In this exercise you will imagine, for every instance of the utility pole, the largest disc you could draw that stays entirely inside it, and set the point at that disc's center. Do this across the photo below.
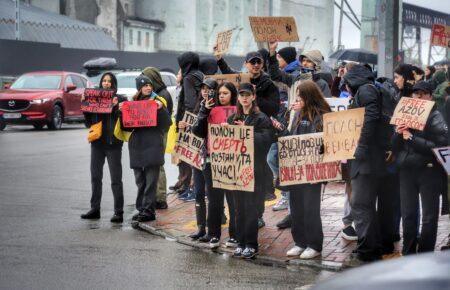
(388, 22)
(341, 14)
(17, 19)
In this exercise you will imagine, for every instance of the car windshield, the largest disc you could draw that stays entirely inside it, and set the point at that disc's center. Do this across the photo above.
(48, 82)
(126, 81)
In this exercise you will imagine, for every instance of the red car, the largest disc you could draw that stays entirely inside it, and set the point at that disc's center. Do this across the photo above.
(43, 98)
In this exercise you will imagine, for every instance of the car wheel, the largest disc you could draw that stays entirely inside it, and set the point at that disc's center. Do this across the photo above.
(2, 125)
(38, 126)
(56, 118)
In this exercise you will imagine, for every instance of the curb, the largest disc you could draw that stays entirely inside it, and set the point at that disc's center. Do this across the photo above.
(180, 237)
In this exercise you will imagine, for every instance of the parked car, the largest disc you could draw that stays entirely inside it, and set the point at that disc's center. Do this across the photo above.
(127, 85)
(43, 98)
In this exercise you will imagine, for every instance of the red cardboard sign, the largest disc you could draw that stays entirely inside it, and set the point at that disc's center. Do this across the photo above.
(220, 115)
(97, 101)
(139, 114)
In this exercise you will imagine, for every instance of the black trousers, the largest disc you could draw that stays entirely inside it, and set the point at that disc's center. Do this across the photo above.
(215, 206)
(247, 218)
(306, 229)
(114, 157)
(147, 183)
(185, 175)
(426, 183)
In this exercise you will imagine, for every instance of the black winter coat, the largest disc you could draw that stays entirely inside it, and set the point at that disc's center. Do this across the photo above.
(107, 140)
(417, 152)
(163, 92)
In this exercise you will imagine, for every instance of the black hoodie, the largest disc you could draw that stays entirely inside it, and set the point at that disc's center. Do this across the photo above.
(191, 83)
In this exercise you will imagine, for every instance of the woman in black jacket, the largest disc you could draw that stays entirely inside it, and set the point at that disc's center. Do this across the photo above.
(146, 148)
(246, 203)
(109, 147)
(304, 200)
(420, 174)
(226, 96)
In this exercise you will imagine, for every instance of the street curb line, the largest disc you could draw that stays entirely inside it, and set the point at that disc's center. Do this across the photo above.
(264, 260)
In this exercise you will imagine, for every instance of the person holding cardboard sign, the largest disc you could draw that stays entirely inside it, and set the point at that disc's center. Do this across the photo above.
(420, 175)
(106, 147)
(146, 149)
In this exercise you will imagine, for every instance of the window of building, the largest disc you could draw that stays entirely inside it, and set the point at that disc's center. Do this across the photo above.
(139, 39)
(147, 39)
(130, 36)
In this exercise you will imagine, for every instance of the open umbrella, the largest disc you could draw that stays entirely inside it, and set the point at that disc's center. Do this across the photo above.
(355, 54)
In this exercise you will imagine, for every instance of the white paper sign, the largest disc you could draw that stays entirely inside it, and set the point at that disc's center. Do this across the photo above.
(443, 156)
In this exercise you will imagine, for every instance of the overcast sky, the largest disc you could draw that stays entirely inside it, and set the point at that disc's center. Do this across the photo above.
(351, 34)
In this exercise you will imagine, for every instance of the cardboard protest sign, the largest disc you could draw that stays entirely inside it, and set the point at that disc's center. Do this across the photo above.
(232, 157)
(440, 35)
(139, 114)
(300, 161)
(412, 112)
(274, 29)
(188, 147)
(338, 104)
(223, 41)
(219, 115)
(236, 79)
(443, 156)
(341, 131)
(97, 101)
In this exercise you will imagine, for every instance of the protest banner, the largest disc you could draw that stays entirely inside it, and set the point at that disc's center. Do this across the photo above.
(338, 104)
(188, 147)
(440, 35)
(300, 160)
(232, 157)
(236, 79)
(341, 131)
(223, 41)
(219, 115)
(443, 156)
(139, 114)
(412, 112)
(270, 28)
(97, 101)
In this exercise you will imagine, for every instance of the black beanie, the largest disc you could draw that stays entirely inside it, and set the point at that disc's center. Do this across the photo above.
(289, 54)
(141, 81)
(406, 71)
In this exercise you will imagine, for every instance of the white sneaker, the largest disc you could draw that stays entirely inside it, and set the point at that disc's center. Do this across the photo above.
(309, 254)
(282, 204)
(295, 251)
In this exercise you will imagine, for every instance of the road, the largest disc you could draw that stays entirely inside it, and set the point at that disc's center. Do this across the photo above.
(45, 186)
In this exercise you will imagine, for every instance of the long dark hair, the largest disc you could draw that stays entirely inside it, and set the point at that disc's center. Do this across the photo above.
(113, 81)
(240, 110)
(315, 103)
(230, 86)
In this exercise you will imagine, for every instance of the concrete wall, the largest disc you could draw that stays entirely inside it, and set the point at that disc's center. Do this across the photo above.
(107, 17)
(49, 5)
(135, 44)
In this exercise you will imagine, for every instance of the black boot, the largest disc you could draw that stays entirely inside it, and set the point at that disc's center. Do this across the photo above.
(117, 218)
(200, 213)
(93, 214)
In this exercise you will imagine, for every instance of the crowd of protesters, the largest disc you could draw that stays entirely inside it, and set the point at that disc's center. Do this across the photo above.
(393, 179)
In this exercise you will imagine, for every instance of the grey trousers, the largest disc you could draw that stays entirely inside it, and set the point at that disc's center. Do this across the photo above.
(147, 182)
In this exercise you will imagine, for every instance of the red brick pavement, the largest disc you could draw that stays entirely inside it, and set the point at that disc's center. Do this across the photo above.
(180, 219)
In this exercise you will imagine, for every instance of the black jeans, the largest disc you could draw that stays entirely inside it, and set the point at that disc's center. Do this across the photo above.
(426, 183)
(199, 182)
(306, 229)
(114, 157)
(215, 207)
(147, 183)
(247, 218)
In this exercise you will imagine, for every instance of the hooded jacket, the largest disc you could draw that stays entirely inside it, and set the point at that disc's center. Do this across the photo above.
(209, 66)
(439, 80)
(267, 94)
(159, 86)
(369, 154)
(191, 83)
(107, 140)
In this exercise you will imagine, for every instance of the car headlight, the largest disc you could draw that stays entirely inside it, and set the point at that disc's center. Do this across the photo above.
(39, 101)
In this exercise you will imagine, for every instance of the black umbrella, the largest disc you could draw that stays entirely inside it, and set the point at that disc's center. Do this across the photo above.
(355, 54)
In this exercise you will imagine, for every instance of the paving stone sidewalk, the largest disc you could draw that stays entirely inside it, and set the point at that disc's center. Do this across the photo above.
(178, 221)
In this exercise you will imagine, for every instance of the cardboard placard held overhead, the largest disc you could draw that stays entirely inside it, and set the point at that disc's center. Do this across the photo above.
(443, 156)
(188, 147)
(236, 79)
(223, 41)
(338, 104)
(97, 101)
(139, 114)
(440, 35)
(412, 112)
(271, 28)
(232, 157)
(341, 131)
(300, 160)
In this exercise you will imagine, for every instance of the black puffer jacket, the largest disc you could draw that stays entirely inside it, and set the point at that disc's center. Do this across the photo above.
(163, 92)
(369, 154)
(267, 93)
(417, 152)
